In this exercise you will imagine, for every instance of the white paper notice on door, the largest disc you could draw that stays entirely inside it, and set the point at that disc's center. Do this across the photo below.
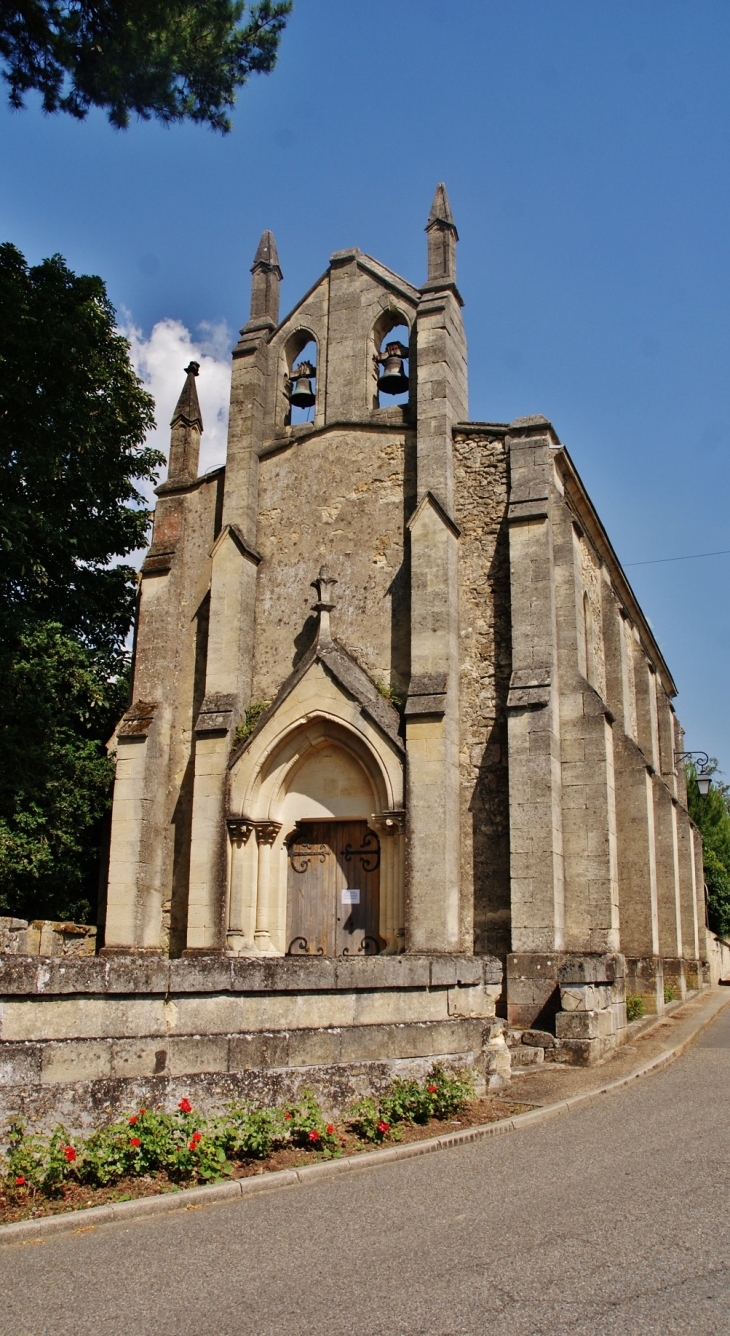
(351, 895)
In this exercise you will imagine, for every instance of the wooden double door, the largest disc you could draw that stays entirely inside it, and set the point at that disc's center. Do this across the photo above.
(333, 889)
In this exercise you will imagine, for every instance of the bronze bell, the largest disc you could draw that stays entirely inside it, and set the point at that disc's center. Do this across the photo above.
(394, 379)
(302, 395)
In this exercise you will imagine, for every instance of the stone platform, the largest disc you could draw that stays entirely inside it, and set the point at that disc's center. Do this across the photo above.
(82, 1040)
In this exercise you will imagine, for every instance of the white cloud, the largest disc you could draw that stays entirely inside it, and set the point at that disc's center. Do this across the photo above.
(160, 361)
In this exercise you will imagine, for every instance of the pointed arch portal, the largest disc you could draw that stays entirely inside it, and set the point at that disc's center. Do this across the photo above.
(316, 860)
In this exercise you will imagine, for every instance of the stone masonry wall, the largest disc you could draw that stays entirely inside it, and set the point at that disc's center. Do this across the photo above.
(481, 487)
(83, 1040)
(338, 497)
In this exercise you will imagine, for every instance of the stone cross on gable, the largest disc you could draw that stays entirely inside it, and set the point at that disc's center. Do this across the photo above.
(324, 584)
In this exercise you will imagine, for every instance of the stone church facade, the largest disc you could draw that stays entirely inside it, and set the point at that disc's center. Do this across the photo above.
(402, 749)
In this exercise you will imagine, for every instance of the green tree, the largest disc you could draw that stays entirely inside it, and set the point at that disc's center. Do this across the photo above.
(73, 423)
(169, 59)
(712, 816)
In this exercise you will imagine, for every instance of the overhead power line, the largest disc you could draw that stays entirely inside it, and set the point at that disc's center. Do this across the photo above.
(694, 556)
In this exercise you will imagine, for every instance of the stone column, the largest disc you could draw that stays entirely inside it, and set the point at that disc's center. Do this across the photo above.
(688, 898)
(432, 708)
(266, 833)
(239, 936)
(126, 834)
(669, 909)
(535, 788)
(389, 827)
(432, 736)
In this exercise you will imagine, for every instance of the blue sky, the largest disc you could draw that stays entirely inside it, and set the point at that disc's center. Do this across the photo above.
(585, 148)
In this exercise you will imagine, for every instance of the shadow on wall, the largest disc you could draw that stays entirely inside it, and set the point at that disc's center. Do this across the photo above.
(489, 804)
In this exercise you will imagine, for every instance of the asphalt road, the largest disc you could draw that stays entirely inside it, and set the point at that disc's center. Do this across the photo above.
(609, 1220)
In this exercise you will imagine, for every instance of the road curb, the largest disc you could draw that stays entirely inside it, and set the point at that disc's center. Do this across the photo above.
(187, 1199)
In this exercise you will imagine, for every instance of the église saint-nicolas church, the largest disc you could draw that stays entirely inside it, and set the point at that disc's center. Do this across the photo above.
(400, 757)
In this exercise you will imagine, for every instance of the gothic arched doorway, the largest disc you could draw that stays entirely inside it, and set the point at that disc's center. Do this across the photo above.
(333, 889)
(333, 859)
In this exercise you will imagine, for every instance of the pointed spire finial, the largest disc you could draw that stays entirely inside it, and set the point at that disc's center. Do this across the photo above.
(324, 584)
(267, 276)
(266, 253)
(442, 239)
(187, 409)
(187, 426)
(441, 209)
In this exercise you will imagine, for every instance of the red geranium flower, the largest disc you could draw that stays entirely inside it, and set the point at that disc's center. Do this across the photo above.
(133, 1120)
(287, 1116)
(330, 1129)
(20, 1181)
(70, 1154)
(196, 1137)
(313, 1136)
(185, 1105)
(383, 1127)
(432, 1090)
(193, 1145)
(142, 1113)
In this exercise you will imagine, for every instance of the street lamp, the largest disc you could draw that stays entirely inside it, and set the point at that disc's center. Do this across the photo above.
(703, 774)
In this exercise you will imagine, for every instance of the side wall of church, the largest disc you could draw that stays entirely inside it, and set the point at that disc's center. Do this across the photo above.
(338, 498)
(150, 848)
(615, 814)
(481, 493)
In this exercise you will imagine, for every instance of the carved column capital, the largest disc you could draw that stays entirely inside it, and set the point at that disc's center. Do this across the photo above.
(389, 822)
(266, 831)
(239, 829)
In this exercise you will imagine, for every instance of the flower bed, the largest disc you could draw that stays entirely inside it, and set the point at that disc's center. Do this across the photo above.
(152, 1151)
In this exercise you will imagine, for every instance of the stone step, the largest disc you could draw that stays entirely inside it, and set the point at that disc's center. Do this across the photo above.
(523, 1055)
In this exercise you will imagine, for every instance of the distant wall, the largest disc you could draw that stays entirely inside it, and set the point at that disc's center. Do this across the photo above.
(44, 937)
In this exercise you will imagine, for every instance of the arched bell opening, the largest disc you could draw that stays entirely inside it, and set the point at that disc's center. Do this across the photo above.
(321, 871)
(300, 378)
(391, 360)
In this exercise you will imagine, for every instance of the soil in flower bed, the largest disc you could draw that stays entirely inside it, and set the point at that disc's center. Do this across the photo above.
(24, 1204)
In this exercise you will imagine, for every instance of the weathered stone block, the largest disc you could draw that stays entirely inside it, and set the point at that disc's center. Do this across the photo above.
(368, 1043)
(584, 1024)
(76, 1060)
(137, 974)
(539, 1038)
(139, 1057)
(591, 969)
(584, 997)
(258, 1051)
(469, 1001)
(584, 1052)
(196, 1053)
(309, 1048)
(20, 1064)
(200, 974)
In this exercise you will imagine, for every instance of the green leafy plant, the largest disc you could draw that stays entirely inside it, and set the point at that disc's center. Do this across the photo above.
(189, 1147)
(635, 1008)
(712, 815)
(367, 1121)
(181, 61)
(247, 726)
(250, 1133)
(307, 1126)
(390, 695)
(73, 459)
(670, 992)
(441, 1096)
